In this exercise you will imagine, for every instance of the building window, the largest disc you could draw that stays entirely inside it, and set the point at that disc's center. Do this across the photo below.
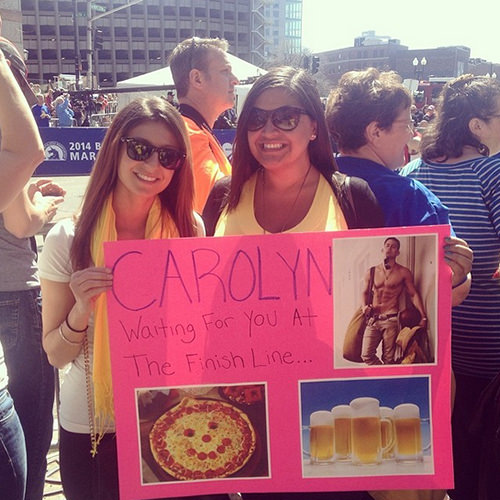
(185, 11)
(68, 54)
(155, 55)
(243, 17)
(121, 54)
(154, 32)
(121, 31)
(27, 5)
(138, 33)
(229, 15)
(47, 30)
(153, 10)
(137, 10)
(200, 12)
(215, 13)
(66, 30)
(49, 54)
(65, 6)
(104, 55)
(185, 33)
(138, 55)
(46, 6)
(168, 10)
(170, 33)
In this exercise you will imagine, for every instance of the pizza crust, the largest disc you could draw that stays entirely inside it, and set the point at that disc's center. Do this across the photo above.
(202, 439)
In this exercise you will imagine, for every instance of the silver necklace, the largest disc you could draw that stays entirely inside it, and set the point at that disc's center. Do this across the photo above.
(292, 207)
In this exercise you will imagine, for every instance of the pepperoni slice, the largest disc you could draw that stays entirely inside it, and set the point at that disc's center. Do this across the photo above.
(206, 438)
(227, 441)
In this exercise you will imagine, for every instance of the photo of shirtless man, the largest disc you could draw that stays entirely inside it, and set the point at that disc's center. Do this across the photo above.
(381, 304)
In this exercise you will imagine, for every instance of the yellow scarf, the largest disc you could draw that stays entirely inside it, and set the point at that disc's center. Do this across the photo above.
(159, 225)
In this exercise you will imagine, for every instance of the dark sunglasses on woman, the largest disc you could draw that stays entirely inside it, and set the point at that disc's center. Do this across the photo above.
(285, 118)
(141, 150)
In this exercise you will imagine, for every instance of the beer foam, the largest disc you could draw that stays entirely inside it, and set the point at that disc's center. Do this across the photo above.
(344, 411)
(407, 410)
(321, 417)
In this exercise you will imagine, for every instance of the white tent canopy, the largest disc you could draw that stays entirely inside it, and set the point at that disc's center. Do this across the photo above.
(163, 76)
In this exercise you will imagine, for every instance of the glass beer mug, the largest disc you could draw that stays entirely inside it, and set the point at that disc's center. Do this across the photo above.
(388, 432)
(321, 437)
(407, 424)
(342, 432)
(366, 432)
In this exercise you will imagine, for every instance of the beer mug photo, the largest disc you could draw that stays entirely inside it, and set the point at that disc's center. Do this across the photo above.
(342, 415)
(366, 432)
(408, 428)
(321, 437)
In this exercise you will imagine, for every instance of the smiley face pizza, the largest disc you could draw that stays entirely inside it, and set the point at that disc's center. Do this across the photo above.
(202, 439)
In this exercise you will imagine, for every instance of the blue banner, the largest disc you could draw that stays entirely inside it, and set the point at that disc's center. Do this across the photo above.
(73, 150)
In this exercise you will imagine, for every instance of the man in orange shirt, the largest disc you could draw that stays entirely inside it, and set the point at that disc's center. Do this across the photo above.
(205, 88)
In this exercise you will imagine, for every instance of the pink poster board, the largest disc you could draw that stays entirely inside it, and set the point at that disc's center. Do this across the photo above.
(256, 324)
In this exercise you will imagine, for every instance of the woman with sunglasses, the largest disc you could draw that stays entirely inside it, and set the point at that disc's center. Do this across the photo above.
(141, 187)
(284, 174)
(284, 180)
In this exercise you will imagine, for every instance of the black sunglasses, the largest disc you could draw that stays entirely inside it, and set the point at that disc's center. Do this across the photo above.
(285, 118)
(141, 150)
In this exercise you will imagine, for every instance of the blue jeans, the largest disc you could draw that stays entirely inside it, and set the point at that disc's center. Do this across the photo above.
(31, 379)
(12, 451)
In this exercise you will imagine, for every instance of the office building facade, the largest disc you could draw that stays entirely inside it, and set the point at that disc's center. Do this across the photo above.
(139, 38)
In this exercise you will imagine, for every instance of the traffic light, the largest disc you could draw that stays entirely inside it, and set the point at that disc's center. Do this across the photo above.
(315, 64)
(305, 62)
(98, 39)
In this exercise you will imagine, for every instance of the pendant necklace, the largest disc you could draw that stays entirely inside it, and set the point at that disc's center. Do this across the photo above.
(292, 207)
(387, 273)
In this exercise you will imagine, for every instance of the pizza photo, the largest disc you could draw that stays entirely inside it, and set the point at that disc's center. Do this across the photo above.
(200, 438)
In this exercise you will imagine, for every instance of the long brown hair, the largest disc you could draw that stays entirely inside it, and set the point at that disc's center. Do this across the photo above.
(176, 198)
(303, 87)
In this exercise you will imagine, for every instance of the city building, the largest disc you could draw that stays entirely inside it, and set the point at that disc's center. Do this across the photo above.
(386, 53)
(139, 38)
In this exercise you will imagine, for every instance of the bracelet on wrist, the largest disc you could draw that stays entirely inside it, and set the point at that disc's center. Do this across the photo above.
(74, 329)
(461, 283)
(68, 341)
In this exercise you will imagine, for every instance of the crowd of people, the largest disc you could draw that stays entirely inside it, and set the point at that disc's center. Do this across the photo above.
(59, 108)
(296, 167)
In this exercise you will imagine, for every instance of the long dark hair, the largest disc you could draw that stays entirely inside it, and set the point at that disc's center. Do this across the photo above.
(176, 198)
(303, 87)
(461, 99)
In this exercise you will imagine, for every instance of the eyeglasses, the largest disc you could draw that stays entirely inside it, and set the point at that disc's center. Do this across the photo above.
(408, 123)
(285, 118)
(141, 150)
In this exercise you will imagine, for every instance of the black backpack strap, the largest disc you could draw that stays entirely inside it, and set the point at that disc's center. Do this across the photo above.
(216, 202)
(357, 201)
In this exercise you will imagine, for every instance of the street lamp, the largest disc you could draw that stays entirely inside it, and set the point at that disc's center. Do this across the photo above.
(91, 6)
(419, 66)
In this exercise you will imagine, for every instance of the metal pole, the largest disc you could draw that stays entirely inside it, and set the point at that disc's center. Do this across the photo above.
(90, 78)
(77, 46)
(90, 20)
